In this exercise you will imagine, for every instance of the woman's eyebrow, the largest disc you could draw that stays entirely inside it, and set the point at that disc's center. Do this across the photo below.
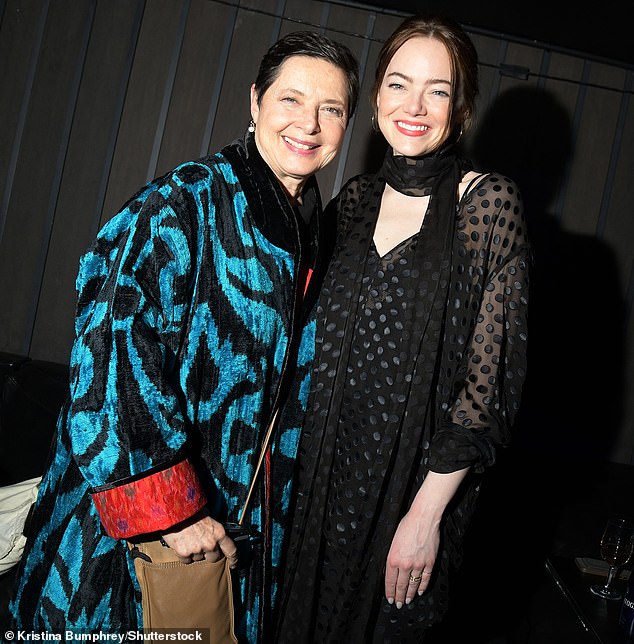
(431, 81)
(330, 101)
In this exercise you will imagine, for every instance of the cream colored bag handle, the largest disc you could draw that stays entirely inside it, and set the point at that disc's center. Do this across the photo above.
(258, 466)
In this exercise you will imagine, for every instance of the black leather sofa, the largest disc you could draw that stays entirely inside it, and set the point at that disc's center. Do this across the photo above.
(31, 395)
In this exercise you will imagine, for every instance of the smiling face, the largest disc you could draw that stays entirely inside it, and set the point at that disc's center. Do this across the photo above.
(301, 119)
(414, 99)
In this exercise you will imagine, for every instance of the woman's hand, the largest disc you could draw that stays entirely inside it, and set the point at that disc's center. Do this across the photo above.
(412, 555)
(201, 538)
(411, 558)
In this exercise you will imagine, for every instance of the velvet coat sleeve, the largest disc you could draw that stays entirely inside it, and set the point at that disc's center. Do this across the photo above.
(125, 419)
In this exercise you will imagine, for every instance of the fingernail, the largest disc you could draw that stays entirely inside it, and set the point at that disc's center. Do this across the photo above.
(390, 600)
(399, 604)
(408, 600)
(420, 592)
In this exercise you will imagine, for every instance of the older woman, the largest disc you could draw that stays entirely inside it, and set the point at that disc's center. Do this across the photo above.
(420, 360)
(189, 322)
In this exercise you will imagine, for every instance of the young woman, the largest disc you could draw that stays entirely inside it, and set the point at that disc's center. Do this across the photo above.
(420, 360)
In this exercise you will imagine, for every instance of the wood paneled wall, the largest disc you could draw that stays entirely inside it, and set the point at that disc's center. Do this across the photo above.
(99, 96)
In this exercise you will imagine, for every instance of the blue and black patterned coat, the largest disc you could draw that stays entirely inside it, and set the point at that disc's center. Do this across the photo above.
(189, 322)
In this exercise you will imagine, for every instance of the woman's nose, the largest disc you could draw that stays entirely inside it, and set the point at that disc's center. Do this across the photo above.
(310, 121)
(415, 104)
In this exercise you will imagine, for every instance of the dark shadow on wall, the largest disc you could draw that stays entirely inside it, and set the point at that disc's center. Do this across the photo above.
(573, 398)
(544, 494)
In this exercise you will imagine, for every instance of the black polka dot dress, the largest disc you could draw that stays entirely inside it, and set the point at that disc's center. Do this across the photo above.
(420, 364)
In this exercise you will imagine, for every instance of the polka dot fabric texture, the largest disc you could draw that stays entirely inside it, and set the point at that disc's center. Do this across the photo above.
(420, 365)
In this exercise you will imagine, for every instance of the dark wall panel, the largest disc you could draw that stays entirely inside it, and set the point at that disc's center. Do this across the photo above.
(253, 33)
(36, 182)
(86, 169)
(133, 163)
(20, 40)
(594, 138)
(200, 64)
(619, 228)
(300, 15)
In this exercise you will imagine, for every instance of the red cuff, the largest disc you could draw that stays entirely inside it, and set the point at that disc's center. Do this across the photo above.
(150, 504)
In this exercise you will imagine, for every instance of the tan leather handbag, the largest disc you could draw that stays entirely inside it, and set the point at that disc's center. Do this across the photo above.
(197, 595)
(176, 595)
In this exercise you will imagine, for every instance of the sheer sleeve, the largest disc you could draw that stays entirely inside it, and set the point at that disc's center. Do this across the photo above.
(486, 350)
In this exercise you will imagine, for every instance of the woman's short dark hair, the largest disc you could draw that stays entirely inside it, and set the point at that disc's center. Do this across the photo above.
(462, 54)
(308, 43)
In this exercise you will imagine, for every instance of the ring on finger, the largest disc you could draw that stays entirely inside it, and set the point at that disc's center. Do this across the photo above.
(425, 572)
(414, 580)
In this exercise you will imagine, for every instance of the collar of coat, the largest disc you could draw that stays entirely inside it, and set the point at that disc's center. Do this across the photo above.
(270, 207)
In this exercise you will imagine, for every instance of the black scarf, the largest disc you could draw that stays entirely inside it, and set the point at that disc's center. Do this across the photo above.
(416, 176)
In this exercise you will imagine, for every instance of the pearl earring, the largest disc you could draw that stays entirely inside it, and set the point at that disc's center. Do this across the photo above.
(251, 127)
